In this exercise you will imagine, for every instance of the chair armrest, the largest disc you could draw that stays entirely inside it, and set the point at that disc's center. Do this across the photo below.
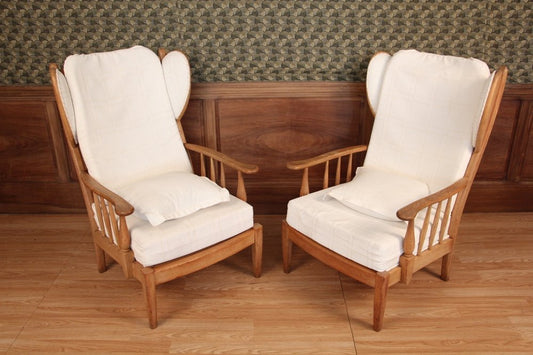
(410, 211)
(217, 161)
(223, 158)
(122, 207)
(319, 159)
(107, 215)
(439, 221)
(325, 158)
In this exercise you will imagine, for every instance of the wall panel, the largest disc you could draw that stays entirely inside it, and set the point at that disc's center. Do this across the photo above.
(265, 123)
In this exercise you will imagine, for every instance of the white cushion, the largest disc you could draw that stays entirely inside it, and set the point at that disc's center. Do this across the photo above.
(171, 195)
(424, 122)
(378, 193)
(177, 74)
(374, 77)
(179, 237)
(66, 100)
(125, 123)
(371, 242)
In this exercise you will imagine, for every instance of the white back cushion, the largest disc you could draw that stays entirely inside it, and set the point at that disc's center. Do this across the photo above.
(124, 119)
(424, 121)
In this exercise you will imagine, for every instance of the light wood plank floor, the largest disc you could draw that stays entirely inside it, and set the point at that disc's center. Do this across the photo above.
(52, 299)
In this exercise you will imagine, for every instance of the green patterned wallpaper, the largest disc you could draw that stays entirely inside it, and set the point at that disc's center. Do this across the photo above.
(270, 40)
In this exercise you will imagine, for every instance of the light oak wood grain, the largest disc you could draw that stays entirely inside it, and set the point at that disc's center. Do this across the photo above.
(52, 300)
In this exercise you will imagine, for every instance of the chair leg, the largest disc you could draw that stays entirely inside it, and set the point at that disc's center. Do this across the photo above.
(150, 296)
(100, 258)
(380, 298)
(446, 267)
(286, 247)
(257, 250)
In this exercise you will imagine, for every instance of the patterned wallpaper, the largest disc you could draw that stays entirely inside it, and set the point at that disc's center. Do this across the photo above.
(267, 40)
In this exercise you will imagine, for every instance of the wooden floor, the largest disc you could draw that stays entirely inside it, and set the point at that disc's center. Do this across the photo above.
(52, 299)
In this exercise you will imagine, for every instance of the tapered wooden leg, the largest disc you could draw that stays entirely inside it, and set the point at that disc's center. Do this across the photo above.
(100, 258)
(257, 250)
(446, 267)
(286, 247)
(380, 299)
(150, 296)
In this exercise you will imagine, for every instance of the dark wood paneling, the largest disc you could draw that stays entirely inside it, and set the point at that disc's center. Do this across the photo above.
(193, 124)
(261, 123)
(26, 150)
(500, 196)
(495, 162)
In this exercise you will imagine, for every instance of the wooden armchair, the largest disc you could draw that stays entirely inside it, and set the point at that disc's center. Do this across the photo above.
(401, 211)
(148, 211)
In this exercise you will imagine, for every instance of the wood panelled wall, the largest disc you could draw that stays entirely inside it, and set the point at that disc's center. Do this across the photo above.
(262, 123)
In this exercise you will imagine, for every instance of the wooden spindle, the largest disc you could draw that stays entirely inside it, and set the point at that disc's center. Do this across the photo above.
(304, 189)
(424, 230)
(349, 169)
(222, 175)
(202, 165)
(434, 225)
(98, 211)
(338, 172)
(114, 225)
(326, 175)
(241, 191)
(213, 175)
(444, 225)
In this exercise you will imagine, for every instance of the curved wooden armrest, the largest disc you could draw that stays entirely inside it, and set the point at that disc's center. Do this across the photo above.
(322, 158)
(122, 207)
(325, 158)
(410, 211)
(223, 158)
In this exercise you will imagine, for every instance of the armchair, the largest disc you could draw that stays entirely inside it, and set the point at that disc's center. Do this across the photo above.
(148, 211)
(401, 211)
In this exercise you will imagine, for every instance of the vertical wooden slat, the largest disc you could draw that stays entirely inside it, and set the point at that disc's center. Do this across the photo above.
(326, 175)
(338, 172)
(202, 165)
(114, 226)
(98, 211)
(349, 169)
(434, 225)
(107, 222)
(423, 231)
(213, 175)
(304, 189)
(241, 191)
(222, 176)
(444, 224)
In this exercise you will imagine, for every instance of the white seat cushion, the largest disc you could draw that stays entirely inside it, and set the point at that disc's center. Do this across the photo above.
(369, 241)
(179, 237)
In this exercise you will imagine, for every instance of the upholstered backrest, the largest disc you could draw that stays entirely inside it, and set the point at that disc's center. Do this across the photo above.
(124, 119)
(427, 110)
